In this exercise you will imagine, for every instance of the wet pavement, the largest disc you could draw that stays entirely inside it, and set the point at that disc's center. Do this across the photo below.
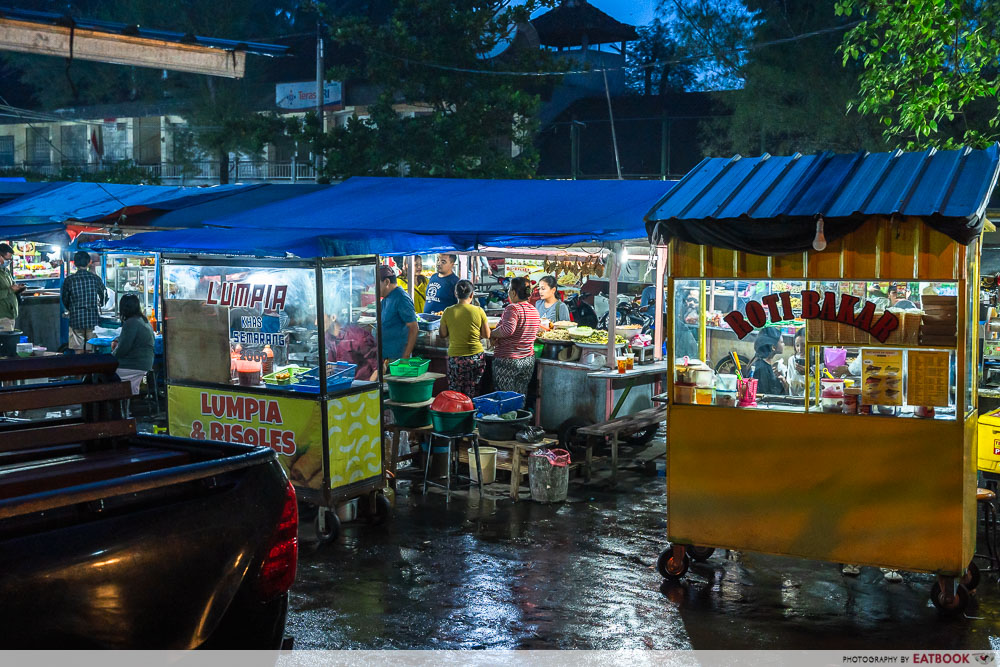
(493, 574)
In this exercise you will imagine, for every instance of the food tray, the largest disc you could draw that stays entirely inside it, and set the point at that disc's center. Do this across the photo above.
(340, 375)
(271, 381)
(411, 367)
(499, 402)
(596, 346)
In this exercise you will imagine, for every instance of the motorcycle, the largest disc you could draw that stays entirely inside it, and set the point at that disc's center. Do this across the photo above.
(581, 312)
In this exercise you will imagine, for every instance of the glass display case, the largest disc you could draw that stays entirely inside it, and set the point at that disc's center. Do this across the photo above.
(131, 274)
(277, 353)
(35, 261)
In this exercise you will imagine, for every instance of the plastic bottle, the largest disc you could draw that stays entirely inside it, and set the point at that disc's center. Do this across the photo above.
(152, 321)
(268, 360)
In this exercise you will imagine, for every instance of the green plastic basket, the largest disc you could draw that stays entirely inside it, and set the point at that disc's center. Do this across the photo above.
(411, 416)
(411, 392)
(409, 368)
(451, 423)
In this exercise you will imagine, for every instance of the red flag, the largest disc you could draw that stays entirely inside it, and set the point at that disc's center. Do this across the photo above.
(96, 143)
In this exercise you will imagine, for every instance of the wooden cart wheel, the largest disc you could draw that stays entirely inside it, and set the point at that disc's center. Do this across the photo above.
(332, 526)
(671, 567)
(972, 577)
(701, 554)
(957, 604)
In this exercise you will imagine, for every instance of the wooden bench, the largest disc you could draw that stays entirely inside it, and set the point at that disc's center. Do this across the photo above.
(614, 428)
(50, 454)
(390, 451)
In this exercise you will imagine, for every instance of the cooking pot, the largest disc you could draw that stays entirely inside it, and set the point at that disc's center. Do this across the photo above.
(452, 401)
(8, 343)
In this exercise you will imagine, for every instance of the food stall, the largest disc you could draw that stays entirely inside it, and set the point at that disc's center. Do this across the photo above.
(136, 274)
(250, 357)
(38, 266)
(879, 473)
(572, 388)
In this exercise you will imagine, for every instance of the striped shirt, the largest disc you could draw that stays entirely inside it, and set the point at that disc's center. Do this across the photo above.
(518, 329)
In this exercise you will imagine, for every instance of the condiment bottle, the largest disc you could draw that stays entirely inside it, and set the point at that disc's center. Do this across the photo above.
(234, 356)
(268, 360)
(152, 321)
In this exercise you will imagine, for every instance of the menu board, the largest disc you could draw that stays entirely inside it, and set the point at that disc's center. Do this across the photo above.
(927, 377)
(881, 377)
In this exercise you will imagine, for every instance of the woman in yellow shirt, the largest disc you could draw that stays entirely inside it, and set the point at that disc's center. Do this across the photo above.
(420, 280)
(464, 325)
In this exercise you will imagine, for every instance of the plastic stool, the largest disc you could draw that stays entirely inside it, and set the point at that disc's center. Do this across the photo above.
(986, 499)
(451, 438)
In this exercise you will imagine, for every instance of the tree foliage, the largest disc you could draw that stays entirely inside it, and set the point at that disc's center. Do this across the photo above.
(714, 35)
(929, 69)
(656, 63)
(453, 123)
(794, 94)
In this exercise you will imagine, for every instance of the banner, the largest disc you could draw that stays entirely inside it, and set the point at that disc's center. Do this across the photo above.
(355, 438)
(290, 426)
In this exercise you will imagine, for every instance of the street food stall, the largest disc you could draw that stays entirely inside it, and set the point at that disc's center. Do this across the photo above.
(873, 461)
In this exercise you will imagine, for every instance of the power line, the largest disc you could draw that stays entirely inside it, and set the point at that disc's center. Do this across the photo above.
(674, 61)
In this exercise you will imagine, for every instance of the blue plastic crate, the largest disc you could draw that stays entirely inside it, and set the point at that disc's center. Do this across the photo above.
(499, 402)
(340, 376)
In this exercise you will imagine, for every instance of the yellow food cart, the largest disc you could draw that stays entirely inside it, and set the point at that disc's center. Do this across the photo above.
(882, 473)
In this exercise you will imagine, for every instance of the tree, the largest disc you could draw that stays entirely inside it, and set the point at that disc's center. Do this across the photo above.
(795, 93)
(656, 63)
(714, 36)
(929, 69)
(460, 123)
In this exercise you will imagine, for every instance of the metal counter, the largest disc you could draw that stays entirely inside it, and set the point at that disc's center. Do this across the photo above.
(40, 319)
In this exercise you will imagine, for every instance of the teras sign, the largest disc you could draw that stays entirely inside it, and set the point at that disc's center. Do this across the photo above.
(831, 309)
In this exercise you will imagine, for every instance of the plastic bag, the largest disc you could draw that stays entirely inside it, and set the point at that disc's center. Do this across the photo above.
(530, 435)
(557, 457)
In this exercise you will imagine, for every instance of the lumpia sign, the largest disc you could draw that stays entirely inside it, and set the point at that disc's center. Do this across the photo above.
(815, 306)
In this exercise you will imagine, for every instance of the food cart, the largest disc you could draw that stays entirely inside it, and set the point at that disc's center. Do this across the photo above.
(249, 358)
(888, 477)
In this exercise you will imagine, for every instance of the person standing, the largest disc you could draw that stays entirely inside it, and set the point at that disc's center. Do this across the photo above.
(419, 282)
(441, 288)
(514, 350)
(464, 325)
(549, 306)
(83, 295)
(399, 319)
(9, 290)
(134, 347)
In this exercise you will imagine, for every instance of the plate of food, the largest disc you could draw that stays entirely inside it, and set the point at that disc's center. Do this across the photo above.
(580, 333)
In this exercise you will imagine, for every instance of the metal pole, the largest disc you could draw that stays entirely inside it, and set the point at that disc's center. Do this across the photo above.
(319, 90)
(613, 271)
(611, 117)
(658, 322)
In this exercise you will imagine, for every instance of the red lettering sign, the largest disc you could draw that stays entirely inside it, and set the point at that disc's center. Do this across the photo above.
(830, 309)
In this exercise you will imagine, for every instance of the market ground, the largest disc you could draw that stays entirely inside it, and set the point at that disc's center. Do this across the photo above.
(580, 575)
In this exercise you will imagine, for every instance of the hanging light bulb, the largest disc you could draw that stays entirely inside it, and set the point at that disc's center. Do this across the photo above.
(819, 243)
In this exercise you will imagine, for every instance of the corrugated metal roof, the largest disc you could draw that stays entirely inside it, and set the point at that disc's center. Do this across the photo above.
(947, 186)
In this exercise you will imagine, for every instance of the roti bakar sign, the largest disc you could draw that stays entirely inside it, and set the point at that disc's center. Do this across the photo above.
(828, 306)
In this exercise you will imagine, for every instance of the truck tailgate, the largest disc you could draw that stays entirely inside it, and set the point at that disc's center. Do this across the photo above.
(152, 559)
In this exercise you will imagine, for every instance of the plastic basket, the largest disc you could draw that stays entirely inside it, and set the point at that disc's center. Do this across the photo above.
(409, 416)
(452, 423)
(499, 402)
(411, 392)
(409, 368)
(340, 375)
(294, 371)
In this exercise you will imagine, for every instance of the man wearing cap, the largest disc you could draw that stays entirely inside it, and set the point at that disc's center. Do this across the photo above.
(399, 319)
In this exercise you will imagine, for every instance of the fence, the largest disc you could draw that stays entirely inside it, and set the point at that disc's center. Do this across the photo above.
(194, 173)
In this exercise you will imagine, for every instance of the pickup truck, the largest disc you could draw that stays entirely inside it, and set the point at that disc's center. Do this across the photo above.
(112, 539)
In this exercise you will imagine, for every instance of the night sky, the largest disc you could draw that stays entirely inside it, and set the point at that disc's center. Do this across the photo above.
(634, 12)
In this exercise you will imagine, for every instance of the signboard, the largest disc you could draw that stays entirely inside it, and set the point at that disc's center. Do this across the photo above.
(828, 306)
(881, 377)
(303, 95)
(290, 426)
(354, 426)
(254, 315)
(927, 378)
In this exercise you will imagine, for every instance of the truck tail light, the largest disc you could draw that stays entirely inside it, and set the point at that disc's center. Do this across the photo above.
(277, 572)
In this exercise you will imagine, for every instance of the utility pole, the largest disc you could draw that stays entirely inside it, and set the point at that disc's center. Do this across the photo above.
(319, 90)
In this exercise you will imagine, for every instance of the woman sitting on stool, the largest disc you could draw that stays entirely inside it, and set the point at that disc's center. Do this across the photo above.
(134, 347)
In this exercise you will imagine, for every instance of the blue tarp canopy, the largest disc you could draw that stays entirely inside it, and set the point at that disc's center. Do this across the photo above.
(97, 203)
(306, 243)
(414, 215)
(713, 203)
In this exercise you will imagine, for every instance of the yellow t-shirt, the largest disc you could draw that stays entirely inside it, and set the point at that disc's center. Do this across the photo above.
(419, 291)
(464, 322)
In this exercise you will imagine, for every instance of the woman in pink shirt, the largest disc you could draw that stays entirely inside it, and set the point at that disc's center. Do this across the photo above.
(514, 341)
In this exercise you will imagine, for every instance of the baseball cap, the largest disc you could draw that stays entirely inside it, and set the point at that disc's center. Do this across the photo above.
(385, 271)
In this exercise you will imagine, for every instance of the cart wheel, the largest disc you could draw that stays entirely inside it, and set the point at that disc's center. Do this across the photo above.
(640, 438)
(670, 567)
(701, 554)
(957, 604)
(383, 510)
(972, 577)
(332, 526)
(307, 511)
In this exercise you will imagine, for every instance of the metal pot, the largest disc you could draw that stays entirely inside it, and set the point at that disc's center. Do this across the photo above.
(8, 343)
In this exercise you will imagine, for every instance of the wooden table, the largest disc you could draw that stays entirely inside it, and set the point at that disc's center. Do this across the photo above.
(391, 457)
(518, 450)
(627, 424)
